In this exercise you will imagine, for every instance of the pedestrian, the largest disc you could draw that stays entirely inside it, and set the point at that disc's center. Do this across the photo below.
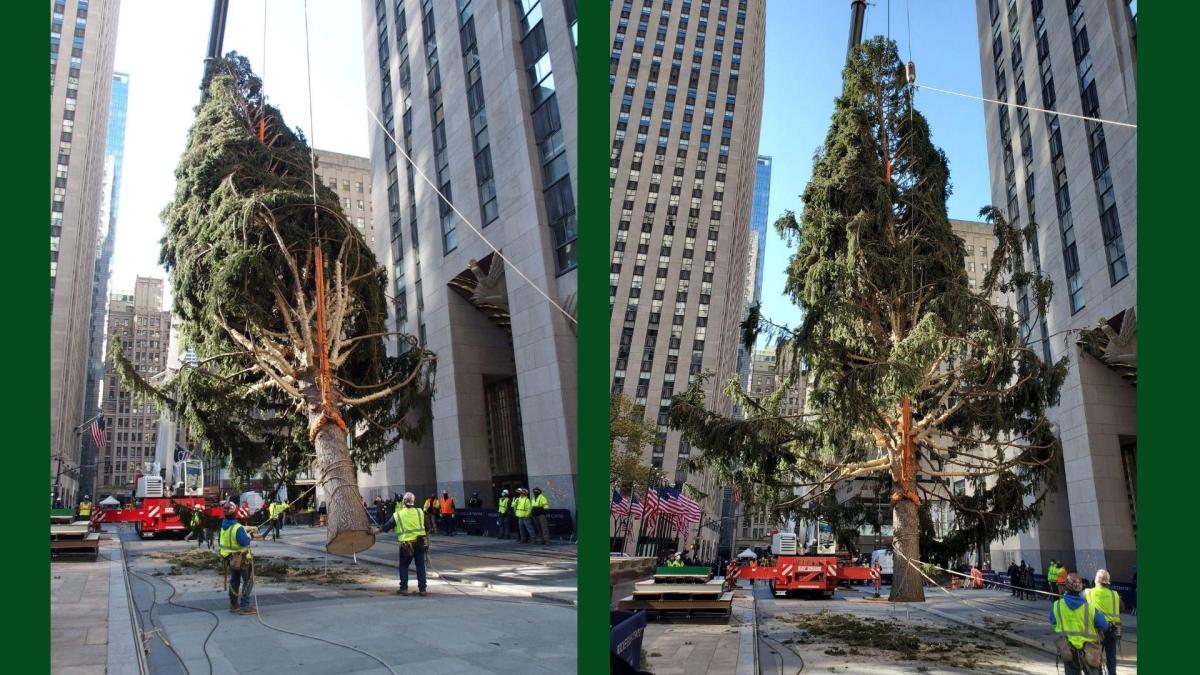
(446, 512)
(1080, 628)
(431, 507)
(540, 506)
(1013, 571)
(504, 508)
(409, 524)
(238, 561)
(475, 502)
(523, 507)
(1107, 601)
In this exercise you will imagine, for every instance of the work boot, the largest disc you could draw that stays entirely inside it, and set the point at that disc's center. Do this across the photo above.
(247, 610)
(421, 593)
(402, 591)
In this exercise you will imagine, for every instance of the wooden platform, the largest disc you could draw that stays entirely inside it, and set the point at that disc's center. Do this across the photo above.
(74, 539)
(647, 589)
(720, 604)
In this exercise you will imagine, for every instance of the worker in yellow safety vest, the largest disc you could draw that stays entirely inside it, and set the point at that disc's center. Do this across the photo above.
(238, 561)
(676, 561)
(504, 506)
(409, 524)
(1108, 602)
(540, 506)
(85, 508)
(1080, 628)
(522, 508)
(275, 513)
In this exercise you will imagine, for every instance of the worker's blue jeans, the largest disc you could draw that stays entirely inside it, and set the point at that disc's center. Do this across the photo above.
(447, 524)
(240, 585)
(526, 531)
(419, 556)
(1110, 652)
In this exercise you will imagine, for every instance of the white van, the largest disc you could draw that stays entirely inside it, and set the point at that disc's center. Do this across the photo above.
(887, 564)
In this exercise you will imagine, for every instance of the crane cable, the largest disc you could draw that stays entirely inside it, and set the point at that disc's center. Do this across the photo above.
(329, 409)
(463, 217)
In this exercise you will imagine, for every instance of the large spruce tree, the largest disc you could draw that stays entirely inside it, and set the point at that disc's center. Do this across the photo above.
(895, 341)
(241, 245)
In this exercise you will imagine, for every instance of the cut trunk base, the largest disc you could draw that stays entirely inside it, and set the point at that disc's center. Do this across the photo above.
(349, 530)
(907, 583)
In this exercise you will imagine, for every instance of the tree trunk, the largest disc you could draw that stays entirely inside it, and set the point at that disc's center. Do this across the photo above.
(907, 583)
(349, 530)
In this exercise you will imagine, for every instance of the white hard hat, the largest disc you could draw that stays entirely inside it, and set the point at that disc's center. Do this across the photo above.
(503, 492)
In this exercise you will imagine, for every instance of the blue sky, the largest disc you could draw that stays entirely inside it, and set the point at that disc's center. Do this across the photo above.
(806, 47)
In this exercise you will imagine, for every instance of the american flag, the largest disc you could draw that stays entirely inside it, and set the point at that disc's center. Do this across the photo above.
(625, 507)
(652, 508)
(98, 432)
(687, 509)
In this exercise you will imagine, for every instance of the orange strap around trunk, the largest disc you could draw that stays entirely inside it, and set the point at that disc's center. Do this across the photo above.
(329, 413)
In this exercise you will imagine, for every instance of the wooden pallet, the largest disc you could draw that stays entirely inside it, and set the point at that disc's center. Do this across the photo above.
(719, 605)
(74, 540)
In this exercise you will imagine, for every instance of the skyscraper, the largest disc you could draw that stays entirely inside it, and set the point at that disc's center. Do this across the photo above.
(82, 44)
(350, 178)
(144, 329)
(686, 99)
(756, 254)
(114, 154)
(483, 100)
(1077, 180)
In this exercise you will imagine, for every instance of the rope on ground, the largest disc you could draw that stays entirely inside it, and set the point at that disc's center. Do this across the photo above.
(962, 600)
(994, 583)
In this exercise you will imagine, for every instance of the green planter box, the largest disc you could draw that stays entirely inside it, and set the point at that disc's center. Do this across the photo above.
(683, 571)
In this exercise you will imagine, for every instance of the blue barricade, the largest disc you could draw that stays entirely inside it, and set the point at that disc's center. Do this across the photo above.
(626, 630)
(475, 521)
(1128, 593)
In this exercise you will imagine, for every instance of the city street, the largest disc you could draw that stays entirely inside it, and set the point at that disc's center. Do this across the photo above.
(968, 632)
(491, 604)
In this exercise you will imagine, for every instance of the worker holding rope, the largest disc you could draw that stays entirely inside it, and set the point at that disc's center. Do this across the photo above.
(238, 561)
(409, 524)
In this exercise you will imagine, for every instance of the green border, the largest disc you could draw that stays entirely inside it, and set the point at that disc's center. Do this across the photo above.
(1167, 148)
(593, 336)
(27, 368)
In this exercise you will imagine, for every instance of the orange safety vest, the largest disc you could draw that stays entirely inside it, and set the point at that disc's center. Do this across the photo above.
(977, 576)
(1062, 575)
(448, 506)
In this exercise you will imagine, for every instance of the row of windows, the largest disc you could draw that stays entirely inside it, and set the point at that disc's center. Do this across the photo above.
(1106, 201)
(485, 179)
(557, 194)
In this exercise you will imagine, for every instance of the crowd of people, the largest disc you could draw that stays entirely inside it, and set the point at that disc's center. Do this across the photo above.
(522, 516)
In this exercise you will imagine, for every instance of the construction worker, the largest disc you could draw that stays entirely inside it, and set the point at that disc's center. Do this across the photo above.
(1108, 602)
(475, 502)
(540, 506)
(446, 512)
(409, 524)
(522, 508)
(194, 528)
(1062, 579)
(976, 578)
(504, 507)
(275, 513)
(1078, 625)
(676, 560)
(85, 508)
(238, 561)
(432, 506)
